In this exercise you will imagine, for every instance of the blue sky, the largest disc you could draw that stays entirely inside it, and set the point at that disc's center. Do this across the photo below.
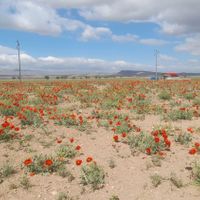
(86, 36)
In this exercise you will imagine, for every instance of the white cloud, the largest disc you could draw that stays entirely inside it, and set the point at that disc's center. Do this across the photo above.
(60, 65)
(39, 18)
(42, 16)
(69, 65)
(164, 57)
(124, 38)
(28, 16)
(95, 33)
(190, 45)
(174, 16)
(7, 50)
(152, 41)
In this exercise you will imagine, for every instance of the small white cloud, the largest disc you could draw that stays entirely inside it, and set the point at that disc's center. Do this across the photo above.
(153, 42)
(95, 33)
(50, 60)
(124, 38)
(164, 57)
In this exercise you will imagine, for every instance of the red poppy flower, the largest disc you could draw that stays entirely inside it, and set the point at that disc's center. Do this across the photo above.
(190, 130)
(129, 100)
(89, 159)
(113, 129)
(110, 122)
(32, 174)
(5, 124)
(1, 131)
(115, 117)
(197, 145)
(116, 138)
(58, 140)
(28, 162)
(157, 139)
(155, 133)
(138, 129)
(16, 128)
(48, 162)
(167, 142)
(126, 118)
(80, 118)
(78, 162)
(78, 147)
(118, 124)
(148, 151)
(12, 126)
(192, 151)
(71, 140)
(160, 153)
(124, 134)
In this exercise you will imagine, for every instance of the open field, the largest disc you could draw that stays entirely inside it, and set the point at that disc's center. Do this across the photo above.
(108, 139)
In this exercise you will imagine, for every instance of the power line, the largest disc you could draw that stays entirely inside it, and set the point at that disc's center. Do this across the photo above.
(19, 60)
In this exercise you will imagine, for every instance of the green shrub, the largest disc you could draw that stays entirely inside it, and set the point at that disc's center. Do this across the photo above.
(156, 180)
(66, 151)
(92, 175)
(165, 95)
(7, 170)
(196, 172)
(180, 115)
(42, 164)
(185, 138)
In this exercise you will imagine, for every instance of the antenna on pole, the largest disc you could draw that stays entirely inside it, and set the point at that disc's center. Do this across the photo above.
(19, 60)
(156, 53)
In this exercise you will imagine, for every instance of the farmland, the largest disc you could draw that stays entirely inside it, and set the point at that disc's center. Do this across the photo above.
(100, 139)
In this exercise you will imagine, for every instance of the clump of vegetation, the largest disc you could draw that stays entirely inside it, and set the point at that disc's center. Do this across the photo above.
(196, 101)
(148, 143)
(30, 116)
(111, 163)
(64, 196)
(183, 139)
(25, 182)
(156, 180)
(66, 151)
(189, 96)
(63, 172)
(7, 170)
(156, 160)
(42, 164)
(92, 175)
(179, 114)
(196, 172)
(176, 181)
(165, 95)
(114, 197)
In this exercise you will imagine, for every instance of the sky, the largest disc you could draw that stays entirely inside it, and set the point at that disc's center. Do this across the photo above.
(99, 36)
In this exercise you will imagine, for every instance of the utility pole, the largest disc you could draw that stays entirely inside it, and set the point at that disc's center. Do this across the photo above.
(156, 56)
(19, 60)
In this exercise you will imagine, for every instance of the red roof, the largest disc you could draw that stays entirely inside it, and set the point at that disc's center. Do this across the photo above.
(173, 74)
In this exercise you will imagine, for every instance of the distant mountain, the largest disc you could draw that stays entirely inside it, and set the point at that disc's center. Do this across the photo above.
(135, 73)
(138, 73)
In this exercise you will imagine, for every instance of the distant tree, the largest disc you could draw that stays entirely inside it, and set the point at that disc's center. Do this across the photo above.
(46, 77)
(13, 77)
(57, 77)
